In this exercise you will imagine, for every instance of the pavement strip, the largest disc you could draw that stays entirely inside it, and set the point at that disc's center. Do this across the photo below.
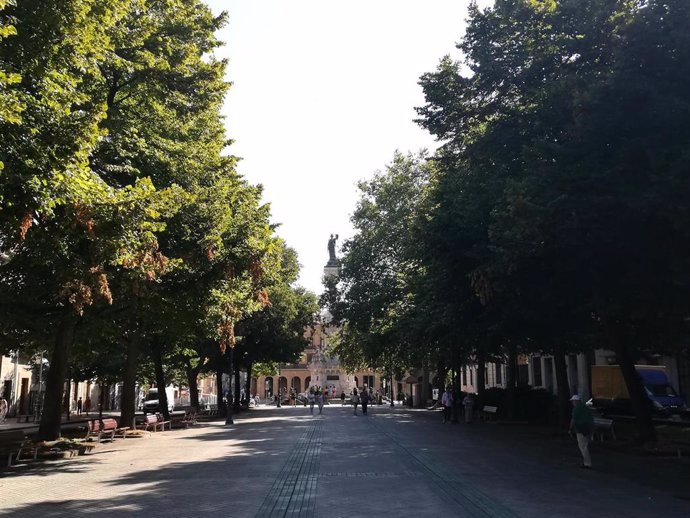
(294, 491)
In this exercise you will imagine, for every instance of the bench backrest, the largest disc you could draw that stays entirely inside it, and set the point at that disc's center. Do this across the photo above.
(109, 424)
(12, 437)
(98, 425)
(490, 409)
(151, 418)
(599, 421)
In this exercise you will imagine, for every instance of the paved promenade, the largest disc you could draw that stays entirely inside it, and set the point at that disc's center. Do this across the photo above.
(402, 463)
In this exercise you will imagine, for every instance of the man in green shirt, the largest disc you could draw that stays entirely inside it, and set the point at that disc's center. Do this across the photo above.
(582, 423)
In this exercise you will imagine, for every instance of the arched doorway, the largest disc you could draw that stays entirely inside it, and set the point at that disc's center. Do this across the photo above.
(356, 382)
(307, 382)
(268, 387)
(296, 384)
(282, 386)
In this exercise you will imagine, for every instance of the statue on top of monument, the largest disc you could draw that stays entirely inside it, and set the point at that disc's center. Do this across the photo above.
(331, 250)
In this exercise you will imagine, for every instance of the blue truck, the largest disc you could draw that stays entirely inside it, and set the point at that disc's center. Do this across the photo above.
(610, 393)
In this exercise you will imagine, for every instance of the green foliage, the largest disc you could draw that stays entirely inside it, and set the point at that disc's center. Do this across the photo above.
(376, 299)
(555, 219)
(117, 199)
(566, 151)
(276, 333)
(11, 105)
(265, 369)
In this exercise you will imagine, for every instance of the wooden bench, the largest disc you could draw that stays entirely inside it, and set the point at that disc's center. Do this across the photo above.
(186, 419)
(488, 412)
(211, 410)
(26, 418)
(189, 416)
(14, 442)
(100, 428)
(603, 426)
(155, 421)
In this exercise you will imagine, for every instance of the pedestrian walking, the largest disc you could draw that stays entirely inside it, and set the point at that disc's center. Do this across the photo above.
(447, 402)
(87, 405)
(319, 401)
(79, 406)
(364, 398)
(582, 423)
(355, 399)
(342, 398)
(293, 397)
(312, 399)
(468, 403)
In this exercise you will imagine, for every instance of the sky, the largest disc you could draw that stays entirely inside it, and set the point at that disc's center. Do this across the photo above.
(323, 95)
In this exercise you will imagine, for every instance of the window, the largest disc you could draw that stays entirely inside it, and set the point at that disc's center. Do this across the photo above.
(472, 377)
(464, 376)
(332, 377)
(499, 374)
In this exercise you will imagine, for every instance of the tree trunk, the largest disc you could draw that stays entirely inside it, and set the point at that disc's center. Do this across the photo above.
(49, 429)
(192, 381)
(128, 399)
(236, 390)
(228, 418)
(441, 374)
(511, 378)
(101, 400)
(248, 386)
(638, 397)
(219, 388)
(157, 353)
(66, 403)
(564, 406)
(456, 386)
(426, 396)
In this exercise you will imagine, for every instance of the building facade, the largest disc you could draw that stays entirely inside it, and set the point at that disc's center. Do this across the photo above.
(316, 368)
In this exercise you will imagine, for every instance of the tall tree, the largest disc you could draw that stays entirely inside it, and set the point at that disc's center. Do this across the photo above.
(551, 121)
(377, 295)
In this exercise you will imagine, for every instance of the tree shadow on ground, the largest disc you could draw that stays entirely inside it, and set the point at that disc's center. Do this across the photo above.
(194, 488)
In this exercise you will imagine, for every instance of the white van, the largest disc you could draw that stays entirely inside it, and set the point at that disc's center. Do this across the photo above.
(151, 404)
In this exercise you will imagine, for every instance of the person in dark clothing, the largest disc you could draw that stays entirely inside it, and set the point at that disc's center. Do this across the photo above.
(582, 423)
(364, 398)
